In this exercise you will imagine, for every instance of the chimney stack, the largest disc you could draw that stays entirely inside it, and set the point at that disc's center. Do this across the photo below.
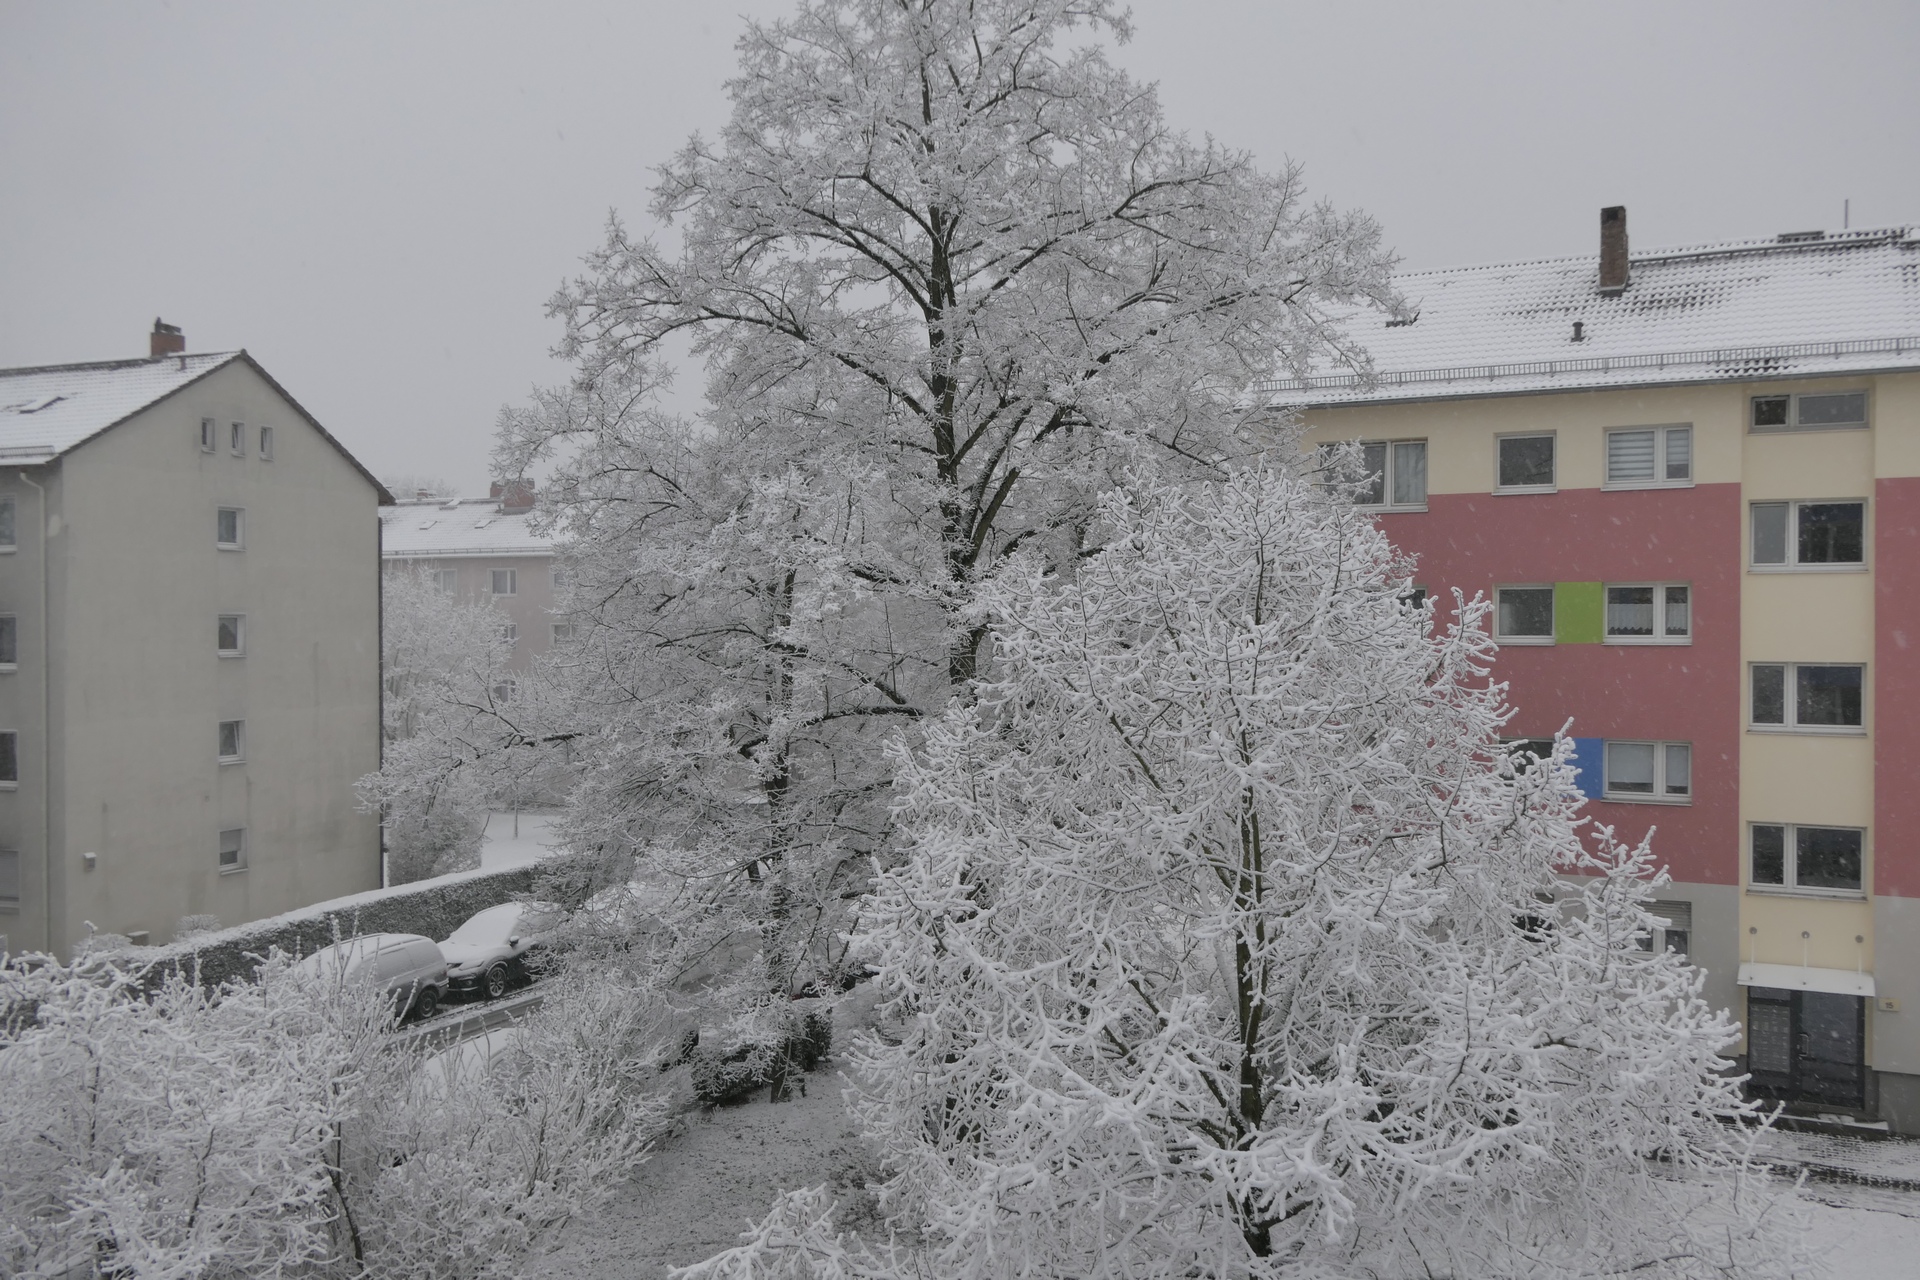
(515, 496)
(165, 340)
(1613, 250)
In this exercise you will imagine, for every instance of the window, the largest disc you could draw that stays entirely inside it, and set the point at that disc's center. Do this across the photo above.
(1821, 411)
(1649, 456)
(1524, 615)
(233, 849)
(1396, 473)
(1806, 858)
(228, 526)
(233, 741)
(1526, 463)
(9, 760)
(505, 689)
(504, 582)
(559, 576)
(448, 580)
(510, 633)
(562, 632)
(6, 524)
(9, 877)
(266, 444)
(9, 642)
(1659, 612)
(1800, 534)
(208, 431)
(1672, 927)
(1525, 753)
(230, 635)
(1660, 771)
(237, 439)
(1822, 697)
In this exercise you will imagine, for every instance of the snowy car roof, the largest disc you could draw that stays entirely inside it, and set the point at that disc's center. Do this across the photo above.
(1802, 304)
(423, 530)
(49, 410)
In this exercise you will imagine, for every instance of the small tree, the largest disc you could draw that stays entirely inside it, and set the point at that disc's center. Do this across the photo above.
(1231, 943)
(449, 721)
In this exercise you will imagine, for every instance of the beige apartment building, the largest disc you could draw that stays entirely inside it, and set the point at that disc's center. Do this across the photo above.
(483, 549)
(189, 649)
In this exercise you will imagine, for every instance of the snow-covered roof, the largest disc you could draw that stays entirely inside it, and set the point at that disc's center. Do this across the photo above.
(430, 529)
(1798, 305)
(51, 409)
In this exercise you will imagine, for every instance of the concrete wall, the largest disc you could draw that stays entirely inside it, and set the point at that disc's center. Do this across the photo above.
(139, 687)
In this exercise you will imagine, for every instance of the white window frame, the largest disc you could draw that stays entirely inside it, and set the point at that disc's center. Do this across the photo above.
(239, 862)
(513, 582)
(510, 633)
(237, 439)
(9, 901)
(266, 444)
(1661, 436)
(10, 621)
(1388, 471)
(239, 528)
(559, 575)
(1552, 486)
(239, 754)
(1669, 916)
(1790, 702)
(209, 435)
(1659, 636)
(506, 689)
(1553, 621)
(1659, 794)
(1790, 862)
(9, 537)
(239, 634)
(448, 580)
(1793, 399)
(13, 783)
(1792, 564)
(562, 632)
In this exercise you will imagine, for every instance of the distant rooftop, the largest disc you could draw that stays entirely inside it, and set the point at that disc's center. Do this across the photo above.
(1803, 304)
(429, 528)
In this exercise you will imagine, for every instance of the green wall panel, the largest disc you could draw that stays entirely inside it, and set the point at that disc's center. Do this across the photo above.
(1579, 612)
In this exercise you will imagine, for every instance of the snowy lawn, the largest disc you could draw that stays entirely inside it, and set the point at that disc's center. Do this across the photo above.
(500, 847)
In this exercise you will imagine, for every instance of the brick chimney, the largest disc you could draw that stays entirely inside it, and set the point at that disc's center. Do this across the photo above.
(1613, 250)
(165, 340)
(515, 496)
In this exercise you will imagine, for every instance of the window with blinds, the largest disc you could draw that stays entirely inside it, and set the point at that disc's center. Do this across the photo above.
(1650, 456)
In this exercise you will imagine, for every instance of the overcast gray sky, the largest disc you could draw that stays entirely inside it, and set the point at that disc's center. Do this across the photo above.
(376, 199)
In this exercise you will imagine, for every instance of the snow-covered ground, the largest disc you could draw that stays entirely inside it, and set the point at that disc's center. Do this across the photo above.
(501, 847)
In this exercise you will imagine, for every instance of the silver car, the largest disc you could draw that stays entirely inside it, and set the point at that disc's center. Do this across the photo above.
(408, 967)
(488, 953)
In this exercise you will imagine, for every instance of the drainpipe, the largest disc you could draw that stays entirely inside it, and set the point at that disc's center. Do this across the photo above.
(46, 722)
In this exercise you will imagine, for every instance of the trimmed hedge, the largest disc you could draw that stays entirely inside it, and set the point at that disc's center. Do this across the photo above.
(433, 908)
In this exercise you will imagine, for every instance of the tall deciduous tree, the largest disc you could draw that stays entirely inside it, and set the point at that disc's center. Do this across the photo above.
(947, 276)
(1232, 943)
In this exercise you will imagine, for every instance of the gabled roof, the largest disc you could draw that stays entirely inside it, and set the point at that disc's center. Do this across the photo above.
(1799, 305)
(425, 530)
(53, 409)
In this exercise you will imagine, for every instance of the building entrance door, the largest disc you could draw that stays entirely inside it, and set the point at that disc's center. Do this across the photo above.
(1807, 1046)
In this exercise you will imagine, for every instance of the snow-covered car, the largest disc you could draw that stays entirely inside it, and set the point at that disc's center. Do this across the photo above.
(408, 967)
(488, 953)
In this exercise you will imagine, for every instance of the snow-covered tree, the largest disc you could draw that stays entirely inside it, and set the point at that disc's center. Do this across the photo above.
(449, 724)
(281, 1128)
(1230, 942)
(946, 275)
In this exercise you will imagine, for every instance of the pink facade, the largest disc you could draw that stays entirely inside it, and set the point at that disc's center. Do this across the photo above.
(1685, 693)
(1896, 686)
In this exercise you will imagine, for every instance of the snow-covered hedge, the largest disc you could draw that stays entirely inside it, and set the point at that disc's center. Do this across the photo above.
(431, 907)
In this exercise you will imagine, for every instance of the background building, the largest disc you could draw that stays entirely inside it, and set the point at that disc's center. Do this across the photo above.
(482, 548)
(189, 649)
(1691, 480)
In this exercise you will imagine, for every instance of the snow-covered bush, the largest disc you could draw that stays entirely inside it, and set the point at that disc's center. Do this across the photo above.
(1231, 944)
(282, 1128)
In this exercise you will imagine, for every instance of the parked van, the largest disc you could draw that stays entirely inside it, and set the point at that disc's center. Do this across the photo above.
(408, 967)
